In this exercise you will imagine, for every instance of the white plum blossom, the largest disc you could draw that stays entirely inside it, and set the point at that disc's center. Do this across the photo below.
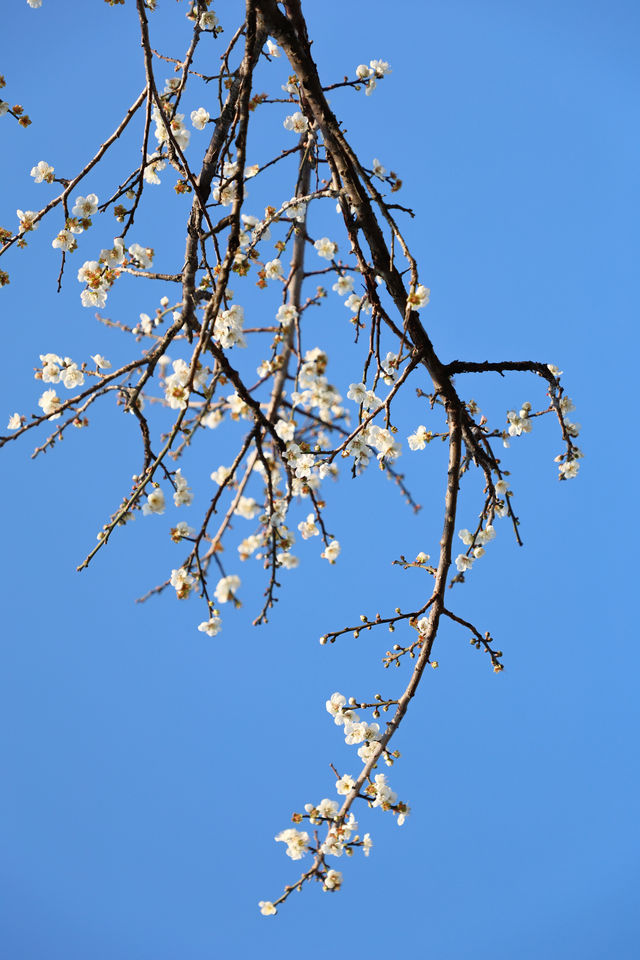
(26, 218)
(297, 122)
(34, 3)
(378, 169)
(286, 314)
(71, 376)
(296, 841)
(200, 118)
(367, 843)
(143, 255)
(15, 422)
(182, 582)
(463, 563)
(154, 163)
(51, 364)
(273, 49)
(181, 529)
(50, 403)
(182, 495)
(420, 297)
(226, 588)
(337, 708)
(345, 784)
(220, 475)
(211, 627)
(208, 20)
(343, 285)
(363, 71)
(380, 68)
(247, 508)
(101, 361)
(267, 909)
(333, 880)
(419, 439)
(85, 207)
(326, 248)
(42, 172)
(227, 328)
(273, 270)
(155, 502)
(308, 527)
(384, 795)
(569, 469)
(113, 256)
(331, 552)
(65, 241)
(286, 430)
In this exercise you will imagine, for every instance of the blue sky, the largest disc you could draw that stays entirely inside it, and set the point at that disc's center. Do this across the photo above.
(148, 767)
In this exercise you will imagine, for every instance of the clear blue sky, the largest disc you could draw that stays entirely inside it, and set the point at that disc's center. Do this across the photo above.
(146, 767)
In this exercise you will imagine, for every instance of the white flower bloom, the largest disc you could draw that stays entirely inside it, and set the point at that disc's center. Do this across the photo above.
(419, 439)
(154, 164)
(101, 361)
(181, 529)
(286, 314)
(343, 285)
(296, 841)
(420, 297)
(287, 560)
(26, 218)
(171, 84)
(378, 169)
(200, 118)
(333, 880)
(113, 256)
(71, 376)
(286, 430)
(551, 367)
(226, 588)
(363, 71)
(569, 469)
(371, 85)
(331, 552)
(4, 107)
(42, 172)
(345, 784)
(247, 508)
(65, 241)
(50, 402)
(308, 527)
(422, 626)
(15, 422)
(155, 502)
(34, 3)
(273, 49)
(211, 627)
(367, 751)
(85, 207)
(182, 495)
(267, 909)
(367, 843)
(182, 582)
(297, 122)
(379, 67)
(463, 563)
(273, 270)
(208, 20)
(220, 475)
(326, 248)
(143, 255)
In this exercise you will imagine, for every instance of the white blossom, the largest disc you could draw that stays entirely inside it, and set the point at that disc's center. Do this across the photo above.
(211, 627)
(155, 502)
(267, 909)
(308, 527)
(85, 207)
(326, 248)
(331, 552)
(345, 784)
(419, 439)
(569, 469)
(26, 218)
(247, 508)
(182, 582)
(420, 296)
(296, 841)
(101, 361)
(333, 880)
(200, 118)
(15, 422)
(208, 20)
(273, 269)
(343, 285)
(463, 563)
(42, 172)
(226, 588)
(297, 122)
(50, 402)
